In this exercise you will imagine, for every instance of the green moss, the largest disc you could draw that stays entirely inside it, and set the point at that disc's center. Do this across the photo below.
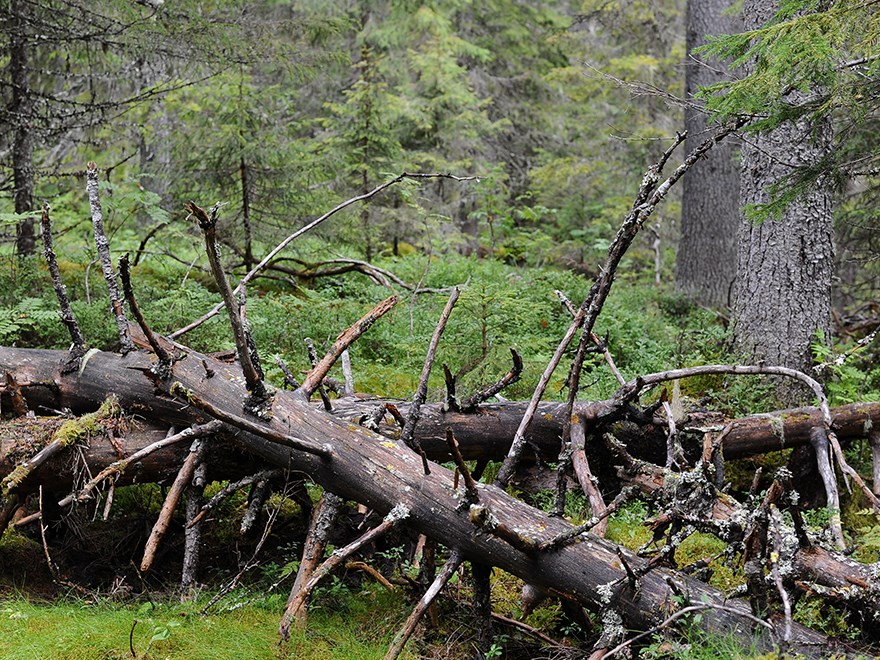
(627, 526)
(85, 426)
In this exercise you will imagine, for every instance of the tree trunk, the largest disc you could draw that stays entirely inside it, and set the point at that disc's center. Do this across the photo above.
(706, 258)
(783, 293)
(20, 111)
(500, 530)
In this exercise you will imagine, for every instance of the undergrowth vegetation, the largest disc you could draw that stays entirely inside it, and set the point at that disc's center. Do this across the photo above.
(502, 306)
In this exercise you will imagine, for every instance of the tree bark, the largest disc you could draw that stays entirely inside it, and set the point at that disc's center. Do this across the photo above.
(483, 434)
(20, 110)
(381, 474)
(783, 293)
(706, 257)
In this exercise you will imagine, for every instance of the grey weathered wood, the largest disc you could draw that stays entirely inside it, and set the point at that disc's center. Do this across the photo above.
(381, 474)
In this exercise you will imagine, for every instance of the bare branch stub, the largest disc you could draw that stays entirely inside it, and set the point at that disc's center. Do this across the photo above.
(472, 494)
(163, 368)
(319, 387)
(345, 339)
(451, 402)
(508, 379)
(289, 379)
(259, 397)
(103, 248)
(78, 347)
(408, 433)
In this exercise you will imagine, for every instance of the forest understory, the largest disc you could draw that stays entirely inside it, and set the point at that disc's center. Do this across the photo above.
(417, 495)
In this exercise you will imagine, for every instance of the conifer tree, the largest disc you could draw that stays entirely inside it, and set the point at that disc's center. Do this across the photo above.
(706, 256)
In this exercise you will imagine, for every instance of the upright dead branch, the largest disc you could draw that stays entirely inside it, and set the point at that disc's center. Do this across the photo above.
(290, 380)
(406, 631)
(316, 540)
(319, 387)
(260, 491)
(822, 448)
(347, 376)
(184, 476)
(259, 398)
(481, 576)
(412, 418)
(585, 476)
(451, 400)
(472, 495)
(103, 247)
(647, 199)
(193, 530)
(506, 380)
(163, 369)
(78, 346)
(297, 603)
(345, 339)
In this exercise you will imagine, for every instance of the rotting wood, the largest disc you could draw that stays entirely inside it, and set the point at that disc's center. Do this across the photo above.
(184, 476)
(381, 473)
(323, 517)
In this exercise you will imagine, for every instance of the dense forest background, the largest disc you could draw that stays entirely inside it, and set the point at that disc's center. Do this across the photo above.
(281, 110)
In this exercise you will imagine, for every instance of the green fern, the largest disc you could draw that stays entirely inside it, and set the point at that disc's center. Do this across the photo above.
(28, 315)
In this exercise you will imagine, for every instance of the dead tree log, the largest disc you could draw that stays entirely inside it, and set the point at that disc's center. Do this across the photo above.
(369, 468)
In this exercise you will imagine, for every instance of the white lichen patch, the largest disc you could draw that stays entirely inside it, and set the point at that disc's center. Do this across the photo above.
(777, 426)
(613, 631)
(606, 592)
(399, 512)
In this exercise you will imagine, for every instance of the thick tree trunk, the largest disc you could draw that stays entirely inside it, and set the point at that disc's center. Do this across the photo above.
(20, 111)
(484, 434)
(783, 294)
(382, 474)
(706, 258)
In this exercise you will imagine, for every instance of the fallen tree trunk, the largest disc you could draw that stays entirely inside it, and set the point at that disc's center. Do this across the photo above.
(830, 575)
(363, 466)
(484, 433)
(487, 432)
